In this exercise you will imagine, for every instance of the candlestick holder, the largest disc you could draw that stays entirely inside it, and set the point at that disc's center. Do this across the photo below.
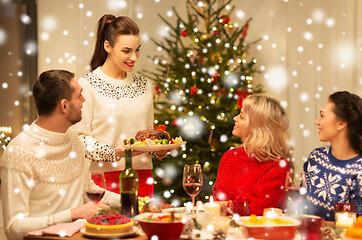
(345, 216)
(239, 206)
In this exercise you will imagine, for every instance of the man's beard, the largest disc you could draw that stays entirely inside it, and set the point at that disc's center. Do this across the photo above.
(71, 117)
(74, 121)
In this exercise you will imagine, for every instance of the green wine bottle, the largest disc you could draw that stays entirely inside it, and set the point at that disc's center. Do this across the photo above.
(128, 180)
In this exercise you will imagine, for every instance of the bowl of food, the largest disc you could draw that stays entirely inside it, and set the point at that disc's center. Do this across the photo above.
(166, 226)
(355, 232)
(269, 228)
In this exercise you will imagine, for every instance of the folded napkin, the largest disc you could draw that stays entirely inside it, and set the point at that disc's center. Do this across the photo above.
(61, 229)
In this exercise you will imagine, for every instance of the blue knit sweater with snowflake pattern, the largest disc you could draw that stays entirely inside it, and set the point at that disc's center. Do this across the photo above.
(330, 181)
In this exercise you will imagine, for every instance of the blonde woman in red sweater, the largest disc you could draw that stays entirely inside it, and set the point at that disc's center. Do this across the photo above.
(257, 169)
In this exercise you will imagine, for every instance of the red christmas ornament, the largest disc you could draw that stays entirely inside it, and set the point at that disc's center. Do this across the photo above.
(184, 33)
(158, 89)
(194, 90)
(245, 31)
(224, 19)
(161, 127)
(202, 60)
(215, 77)
(221, 92)
(174, 122)
(216, 33)
(242, 96)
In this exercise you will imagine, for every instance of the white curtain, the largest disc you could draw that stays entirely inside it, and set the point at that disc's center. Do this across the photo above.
(310, 48)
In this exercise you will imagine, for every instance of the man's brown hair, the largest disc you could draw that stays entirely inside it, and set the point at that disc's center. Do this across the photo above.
(50, 88)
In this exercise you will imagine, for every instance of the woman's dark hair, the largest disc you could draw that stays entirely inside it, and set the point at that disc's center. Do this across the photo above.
(109, 28)
(348, 108)
(49, 88)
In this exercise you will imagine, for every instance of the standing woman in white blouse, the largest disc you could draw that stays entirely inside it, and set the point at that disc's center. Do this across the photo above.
(118, 103)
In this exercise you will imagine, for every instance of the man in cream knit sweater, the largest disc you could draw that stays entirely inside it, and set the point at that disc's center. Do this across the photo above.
(43, 171)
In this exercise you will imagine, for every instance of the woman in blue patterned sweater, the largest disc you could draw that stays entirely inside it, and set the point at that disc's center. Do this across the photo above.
(334, 172)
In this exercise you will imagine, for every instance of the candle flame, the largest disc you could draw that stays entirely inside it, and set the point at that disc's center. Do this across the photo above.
(271, 214)
(345, 215)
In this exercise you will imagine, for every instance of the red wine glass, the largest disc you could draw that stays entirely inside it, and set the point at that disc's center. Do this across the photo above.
(294, 192)
(192, 181)
(96, 193)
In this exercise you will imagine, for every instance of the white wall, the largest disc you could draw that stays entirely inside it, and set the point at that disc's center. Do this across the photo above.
(330, 61)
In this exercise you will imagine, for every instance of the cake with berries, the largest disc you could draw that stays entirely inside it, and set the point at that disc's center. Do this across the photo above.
(109, 224)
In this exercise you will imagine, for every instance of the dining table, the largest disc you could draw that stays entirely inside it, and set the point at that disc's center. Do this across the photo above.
(138, 236)
(79, 236)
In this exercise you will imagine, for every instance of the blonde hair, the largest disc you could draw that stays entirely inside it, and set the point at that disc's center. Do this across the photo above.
(267, 138)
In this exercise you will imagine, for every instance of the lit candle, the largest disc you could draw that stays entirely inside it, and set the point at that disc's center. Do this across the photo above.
(188, 207)
(212, 207)
(272, 212)
(345, 219)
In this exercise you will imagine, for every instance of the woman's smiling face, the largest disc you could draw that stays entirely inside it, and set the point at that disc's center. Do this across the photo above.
(241, 127)
(125, 52)
(327, 123)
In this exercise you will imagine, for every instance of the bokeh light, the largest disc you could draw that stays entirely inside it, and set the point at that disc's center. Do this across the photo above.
(49, 23)
(25, 19)
(276, 78)
(240, 14)
(3, 37)
(304, 97)
(231, 80)
(116, 5)
(318, 15)
(191, 127)
(308, 36)
(330, 22)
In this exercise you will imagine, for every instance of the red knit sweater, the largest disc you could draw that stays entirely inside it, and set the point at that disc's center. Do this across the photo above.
(240, 176)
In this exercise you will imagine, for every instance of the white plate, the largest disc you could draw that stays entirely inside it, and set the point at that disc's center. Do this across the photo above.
(108, 235)
(155, 148)
(174, 209)
(141, 217)
(198, 235)
(233, 234)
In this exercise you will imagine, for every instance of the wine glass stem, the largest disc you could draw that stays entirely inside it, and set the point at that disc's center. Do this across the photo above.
(193, 204)
(295, 207)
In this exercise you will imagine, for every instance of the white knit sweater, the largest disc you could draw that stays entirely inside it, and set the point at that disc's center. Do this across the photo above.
(43, 175)
(113, 111)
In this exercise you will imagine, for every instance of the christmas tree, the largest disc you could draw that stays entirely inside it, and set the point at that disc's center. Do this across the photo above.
(200, 84)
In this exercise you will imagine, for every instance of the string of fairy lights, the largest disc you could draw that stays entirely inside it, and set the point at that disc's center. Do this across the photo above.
(5, 138)
(211, 72)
